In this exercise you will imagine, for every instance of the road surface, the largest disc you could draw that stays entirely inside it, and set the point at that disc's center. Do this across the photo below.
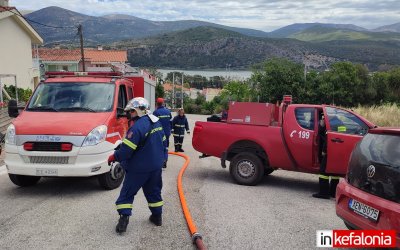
(75, 213)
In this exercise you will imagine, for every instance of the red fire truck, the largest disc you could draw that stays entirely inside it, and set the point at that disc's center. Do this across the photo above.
(69, 127)
(258, 138)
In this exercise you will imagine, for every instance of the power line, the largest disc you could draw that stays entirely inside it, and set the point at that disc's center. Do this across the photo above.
(44, 25)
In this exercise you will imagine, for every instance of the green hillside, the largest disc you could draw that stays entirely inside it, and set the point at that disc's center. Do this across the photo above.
(211, 48)
(323, 34)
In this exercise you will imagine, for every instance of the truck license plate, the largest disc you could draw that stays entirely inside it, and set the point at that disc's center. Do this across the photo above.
(364, 210)
(46, 172)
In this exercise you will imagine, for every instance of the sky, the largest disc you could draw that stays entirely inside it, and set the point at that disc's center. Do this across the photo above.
(255, 14)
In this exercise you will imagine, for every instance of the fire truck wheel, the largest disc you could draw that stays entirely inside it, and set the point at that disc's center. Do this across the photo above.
(24, 180)
(113, 179)
(246, 169)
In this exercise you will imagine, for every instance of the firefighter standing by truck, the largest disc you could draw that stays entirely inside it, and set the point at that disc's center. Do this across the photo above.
(165, 118)
(142, 155)
(327, 188)
(179, 125)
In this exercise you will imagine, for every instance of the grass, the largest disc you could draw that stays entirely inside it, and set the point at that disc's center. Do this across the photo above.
(384, 115)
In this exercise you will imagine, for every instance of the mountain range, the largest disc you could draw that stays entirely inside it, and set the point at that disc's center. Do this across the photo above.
(195, 44)
(110, 28)
(116, 27)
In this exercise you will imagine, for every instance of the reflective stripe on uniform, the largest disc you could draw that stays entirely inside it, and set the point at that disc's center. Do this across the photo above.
(325, 177)
(124, 206)
(154, 130)
(341, 129)
(156, 204)
(178, 135)
(180, 126)
(164, 138)
(129, 144)
(163, 116)
(335, 177)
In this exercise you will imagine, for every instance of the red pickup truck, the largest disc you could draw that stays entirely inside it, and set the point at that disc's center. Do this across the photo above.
(258, 138)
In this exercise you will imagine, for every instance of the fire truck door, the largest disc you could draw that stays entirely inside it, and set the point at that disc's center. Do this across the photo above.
(122, 122)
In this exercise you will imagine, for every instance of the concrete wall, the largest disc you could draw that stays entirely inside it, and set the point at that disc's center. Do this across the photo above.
(16, 54)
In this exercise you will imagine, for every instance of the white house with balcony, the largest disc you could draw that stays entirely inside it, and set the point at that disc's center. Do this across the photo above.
(17, 40)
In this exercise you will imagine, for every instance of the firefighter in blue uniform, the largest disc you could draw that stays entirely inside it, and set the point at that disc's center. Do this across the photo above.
(179, 125)
(165, 118)
(142, 155)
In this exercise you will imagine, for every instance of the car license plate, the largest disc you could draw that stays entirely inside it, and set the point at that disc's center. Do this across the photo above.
(364, 210)
(46, 172)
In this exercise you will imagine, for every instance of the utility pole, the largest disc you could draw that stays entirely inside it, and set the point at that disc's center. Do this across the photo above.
(80, 33)
(173, 90)
(182, 93)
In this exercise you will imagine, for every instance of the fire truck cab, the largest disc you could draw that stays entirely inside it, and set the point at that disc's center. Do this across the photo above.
(69, 127)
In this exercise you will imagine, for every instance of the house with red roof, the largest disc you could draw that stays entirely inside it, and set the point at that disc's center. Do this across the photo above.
(96, 59)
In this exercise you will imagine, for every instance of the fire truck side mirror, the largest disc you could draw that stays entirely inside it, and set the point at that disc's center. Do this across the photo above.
(121, 113)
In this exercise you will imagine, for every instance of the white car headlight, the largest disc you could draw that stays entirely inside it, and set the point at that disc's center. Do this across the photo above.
(96, 136)
(10, 135)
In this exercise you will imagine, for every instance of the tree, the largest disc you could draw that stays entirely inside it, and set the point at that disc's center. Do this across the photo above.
(160, 90)
(236, 91)
(277, 77)
(342, 85)
(394, 84)
(379, 83)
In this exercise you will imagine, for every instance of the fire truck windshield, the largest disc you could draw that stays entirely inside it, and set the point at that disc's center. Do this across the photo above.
(73, 97)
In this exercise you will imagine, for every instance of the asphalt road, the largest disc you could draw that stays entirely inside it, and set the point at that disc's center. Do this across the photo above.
(74, 213)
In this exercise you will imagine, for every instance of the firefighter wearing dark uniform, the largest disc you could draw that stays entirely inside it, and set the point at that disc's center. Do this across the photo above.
(142, 154)
(326, 189)
(179, 124)
(165, 118)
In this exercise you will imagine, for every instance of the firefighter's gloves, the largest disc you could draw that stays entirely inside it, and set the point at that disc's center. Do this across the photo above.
(111, 159)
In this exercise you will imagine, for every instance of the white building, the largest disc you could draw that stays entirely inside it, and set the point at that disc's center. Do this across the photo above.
(16, 42)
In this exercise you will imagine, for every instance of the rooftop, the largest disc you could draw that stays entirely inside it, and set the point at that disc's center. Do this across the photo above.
(91, 55)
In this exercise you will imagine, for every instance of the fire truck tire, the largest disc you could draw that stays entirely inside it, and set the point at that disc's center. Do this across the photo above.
(110, 180)
(246, 169)
(24, 180)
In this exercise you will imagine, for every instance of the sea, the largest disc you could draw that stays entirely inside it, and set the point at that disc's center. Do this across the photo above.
(239, 75)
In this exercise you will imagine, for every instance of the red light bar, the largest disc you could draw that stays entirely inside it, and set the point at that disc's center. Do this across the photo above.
(62, 73)
(287, 99)
(28, 146)
(66, 147)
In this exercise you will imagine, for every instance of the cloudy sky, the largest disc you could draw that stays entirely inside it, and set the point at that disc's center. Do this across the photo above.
(265, 15)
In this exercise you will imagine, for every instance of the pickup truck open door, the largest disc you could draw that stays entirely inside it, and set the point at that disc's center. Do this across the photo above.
(344, 130)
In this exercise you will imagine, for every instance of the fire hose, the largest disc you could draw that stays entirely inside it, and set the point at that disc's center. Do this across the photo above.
(196, 236)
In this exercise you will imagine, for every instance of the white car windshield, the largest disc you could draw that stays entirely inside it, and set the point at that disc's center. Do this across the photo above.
(73, 97)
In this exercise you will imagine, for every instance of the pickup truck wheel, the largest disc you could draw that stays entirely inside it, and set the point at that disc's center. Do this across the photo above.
(24, 180)
(246, 169)
(268, 171)
(113, 179)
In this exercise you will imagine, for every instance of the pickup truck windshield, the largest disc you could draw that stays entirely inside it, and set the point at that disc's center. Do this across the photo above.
(340, 117)
(72, 97)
